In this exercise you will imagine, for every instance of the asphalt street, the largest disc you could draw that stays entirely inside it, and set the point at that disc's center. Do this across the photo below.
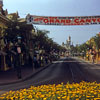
(65, 70)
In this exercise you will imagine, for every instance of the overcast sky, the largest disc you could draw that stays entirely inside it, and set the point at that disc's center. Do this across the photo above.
(79, 34)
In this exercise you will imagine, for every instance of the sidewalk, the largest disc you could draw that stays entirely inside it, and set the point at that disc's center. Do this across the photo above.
(10, 76)
(98, 63)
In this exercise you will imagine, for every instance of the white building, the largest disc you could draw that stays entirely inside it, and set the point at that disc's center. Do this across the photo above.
(67, 45)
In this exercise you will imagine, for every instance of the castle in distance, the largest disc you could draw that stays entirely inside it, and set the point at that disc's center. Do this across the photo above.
(68, 46)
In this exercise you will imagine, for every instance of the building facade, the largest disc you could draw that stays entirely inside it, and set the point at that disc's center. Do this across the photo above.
(67, 45)
(4, 21)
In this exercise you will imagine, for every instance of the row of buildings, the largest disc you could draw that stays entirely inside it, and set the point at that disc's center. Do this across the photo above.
(6, 20)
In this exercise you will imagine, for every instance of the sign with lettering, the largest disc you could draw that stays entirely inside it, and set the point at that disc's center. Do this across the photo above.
(48, 20)
(18, 49)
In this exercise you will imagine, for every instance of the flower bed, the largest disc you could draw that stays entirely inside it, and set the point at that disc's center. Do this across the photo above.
(74, 91)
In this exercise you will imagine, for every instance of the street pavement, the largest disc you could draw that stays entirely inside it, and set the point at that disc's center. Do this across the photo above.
(65, 70)
(10, 76)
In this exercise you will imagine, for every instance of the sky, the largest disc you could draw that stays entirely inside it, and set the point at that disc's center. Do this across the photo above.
(79, 34)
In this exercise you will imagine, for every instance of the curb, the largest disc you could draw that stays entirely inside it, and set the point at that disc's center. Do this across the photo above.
(89, 62)
(27, 77)
(85, 61)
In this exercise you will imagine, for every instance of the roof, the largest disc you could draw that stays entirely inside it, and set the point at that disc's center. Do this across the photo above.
(21, 20)
(4, 17)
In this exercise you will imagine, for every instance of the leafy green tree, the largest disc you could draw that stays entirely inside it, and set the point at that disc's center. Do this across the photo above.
(97, 41)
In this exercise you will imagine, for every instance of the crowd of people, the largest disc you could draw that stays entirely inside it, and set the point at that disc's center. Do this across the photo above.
(91, 55)
(17, 56)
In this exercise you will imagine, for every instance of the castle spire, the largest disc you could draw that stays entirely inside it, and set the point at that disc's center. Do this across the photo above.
(69, 38)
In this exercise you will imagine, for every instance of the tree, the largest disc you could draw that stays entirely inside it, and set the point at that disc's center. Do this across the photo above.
(97, 41)
(44, 42)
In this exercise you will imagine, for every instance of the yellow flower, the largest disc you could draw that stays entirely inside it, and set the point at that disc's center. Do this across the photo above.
(44, 98)
(64, 97)
(77, 99)
(30, 96)
(1, 98)
(96, 98)
(60, 91)
(58, 97)
(68, 98)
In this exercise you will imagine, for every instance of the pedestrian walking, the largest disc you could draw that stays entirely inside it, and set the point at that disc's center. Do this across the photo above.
(46, 59)
(16, 50)
(35, 61)
(93, 56)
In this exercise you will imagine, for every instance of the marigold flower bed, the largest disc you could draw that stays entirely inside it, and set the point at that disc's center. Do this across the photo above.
(74, 91)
